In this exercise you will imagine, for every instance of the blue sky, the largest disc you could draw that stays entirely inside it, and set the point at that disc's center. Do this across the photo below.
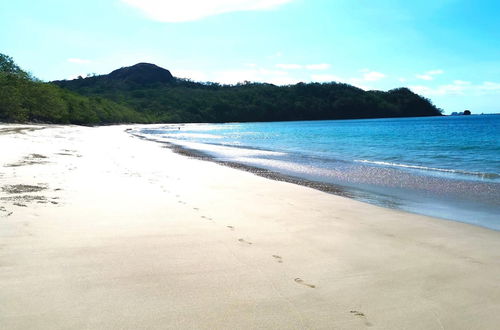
(446, 50)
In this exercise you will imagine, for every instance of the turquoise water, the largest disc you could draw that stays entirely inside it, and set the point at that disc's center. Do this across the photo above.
(447, 167)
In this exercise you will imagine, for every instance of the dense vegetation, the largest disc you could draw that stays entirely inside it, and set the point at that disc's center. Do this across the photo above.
(25, 99)
(147, 93)
(177, 100)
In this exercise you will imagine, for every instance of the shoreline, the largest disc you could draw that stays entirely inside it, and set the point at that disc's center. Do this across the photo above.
(371, 198)
(265, 173)
(101, 229)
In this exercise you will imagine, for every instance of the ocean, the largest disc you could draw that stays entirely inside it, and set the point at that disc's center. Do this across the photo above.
(446, 167)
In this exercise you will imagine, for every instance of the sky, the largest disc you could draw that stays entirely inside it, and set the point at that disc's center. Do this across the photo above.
(445, 50)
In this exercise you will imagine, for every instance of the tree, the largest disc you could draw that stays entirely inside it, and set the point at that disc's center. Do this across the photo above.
(7, 65)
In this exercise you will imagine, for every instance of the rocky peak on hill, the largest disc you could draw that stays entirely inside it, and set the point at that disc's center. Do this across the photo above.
(142, 73)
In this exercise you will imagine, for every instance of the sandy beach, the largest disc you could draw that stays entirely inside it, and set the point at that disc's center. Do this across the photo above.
(102, 230)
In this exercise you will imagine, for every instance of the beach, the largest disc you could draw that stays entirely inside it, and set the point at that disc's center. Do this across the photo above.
(103, 230)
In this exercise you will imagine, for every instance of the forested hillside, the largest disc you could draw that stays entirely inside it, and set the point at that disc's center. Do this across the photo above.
(23, 98)
(146, 93)
(171, 99)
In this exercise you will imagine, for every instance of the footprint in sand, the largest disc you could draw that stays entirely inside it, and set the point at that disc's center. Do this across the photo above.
(4, 212)
(20, 204)
(357, 313)
(301, 281)
(196, 209)
(230, 227)
(363, 316)
(278, 258)
(244, 241)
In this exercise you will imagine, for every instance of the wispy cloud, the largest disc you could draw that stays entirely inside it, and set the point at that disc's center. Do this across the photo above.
(429, 75)
(192, 10)
(490, 86)
(360, 82)
(373, 76)
(458, 87)
(79, 61)
(284, 74)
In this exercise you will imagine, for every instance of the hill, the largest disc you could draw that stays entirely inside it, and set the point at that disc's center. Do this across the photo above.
(153, 91)
(146, 93)
(23, 98)
(142, 73)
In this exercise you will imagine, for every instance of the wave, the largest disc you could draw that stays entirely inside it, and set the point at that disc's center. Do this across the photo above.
(434, 169)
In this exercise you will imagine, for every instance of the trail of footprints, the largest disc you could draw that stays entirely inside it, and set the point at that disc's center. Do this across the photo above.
(277, 258)
(244, 241)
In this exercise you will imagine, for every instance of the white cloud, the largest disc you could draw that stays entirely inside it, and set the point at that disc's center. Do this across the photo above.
(289, 66)
(360, 82)
(373, 76)
(429, 75)
(449, 89)
(78, 61)
(489, 86)
(192, 10)
(435, 72)
(322, 66)
(285, 75)
(458, 87)
(424, 76)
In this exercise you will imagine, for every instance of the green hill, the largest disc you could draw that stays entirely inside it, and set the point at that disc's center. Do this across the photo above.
(25, 99)
(146, 93)
(179, 100)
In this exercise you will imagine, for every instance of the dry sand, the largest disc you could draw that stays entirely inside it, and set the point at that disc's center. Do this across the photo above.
(102, 230)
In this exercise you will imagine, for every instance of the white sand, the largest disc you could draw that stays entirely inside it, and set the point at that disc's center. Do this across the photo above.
(142, 238)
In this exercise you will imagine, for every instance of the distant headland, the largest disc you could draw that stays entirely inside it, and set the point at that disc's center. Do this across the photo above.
(147, 93)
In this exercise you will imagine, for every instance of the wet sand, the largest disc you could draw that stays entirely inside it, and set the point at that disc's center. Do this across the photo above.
(102, 230)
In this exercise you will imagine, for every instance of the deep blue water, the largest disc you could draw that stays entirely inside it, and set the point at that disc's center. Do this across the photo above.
(447, 167)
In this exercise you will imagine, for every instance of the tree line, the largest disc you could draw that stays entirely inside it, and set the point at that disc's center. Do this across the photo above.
(137, 94)
(24, 98)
